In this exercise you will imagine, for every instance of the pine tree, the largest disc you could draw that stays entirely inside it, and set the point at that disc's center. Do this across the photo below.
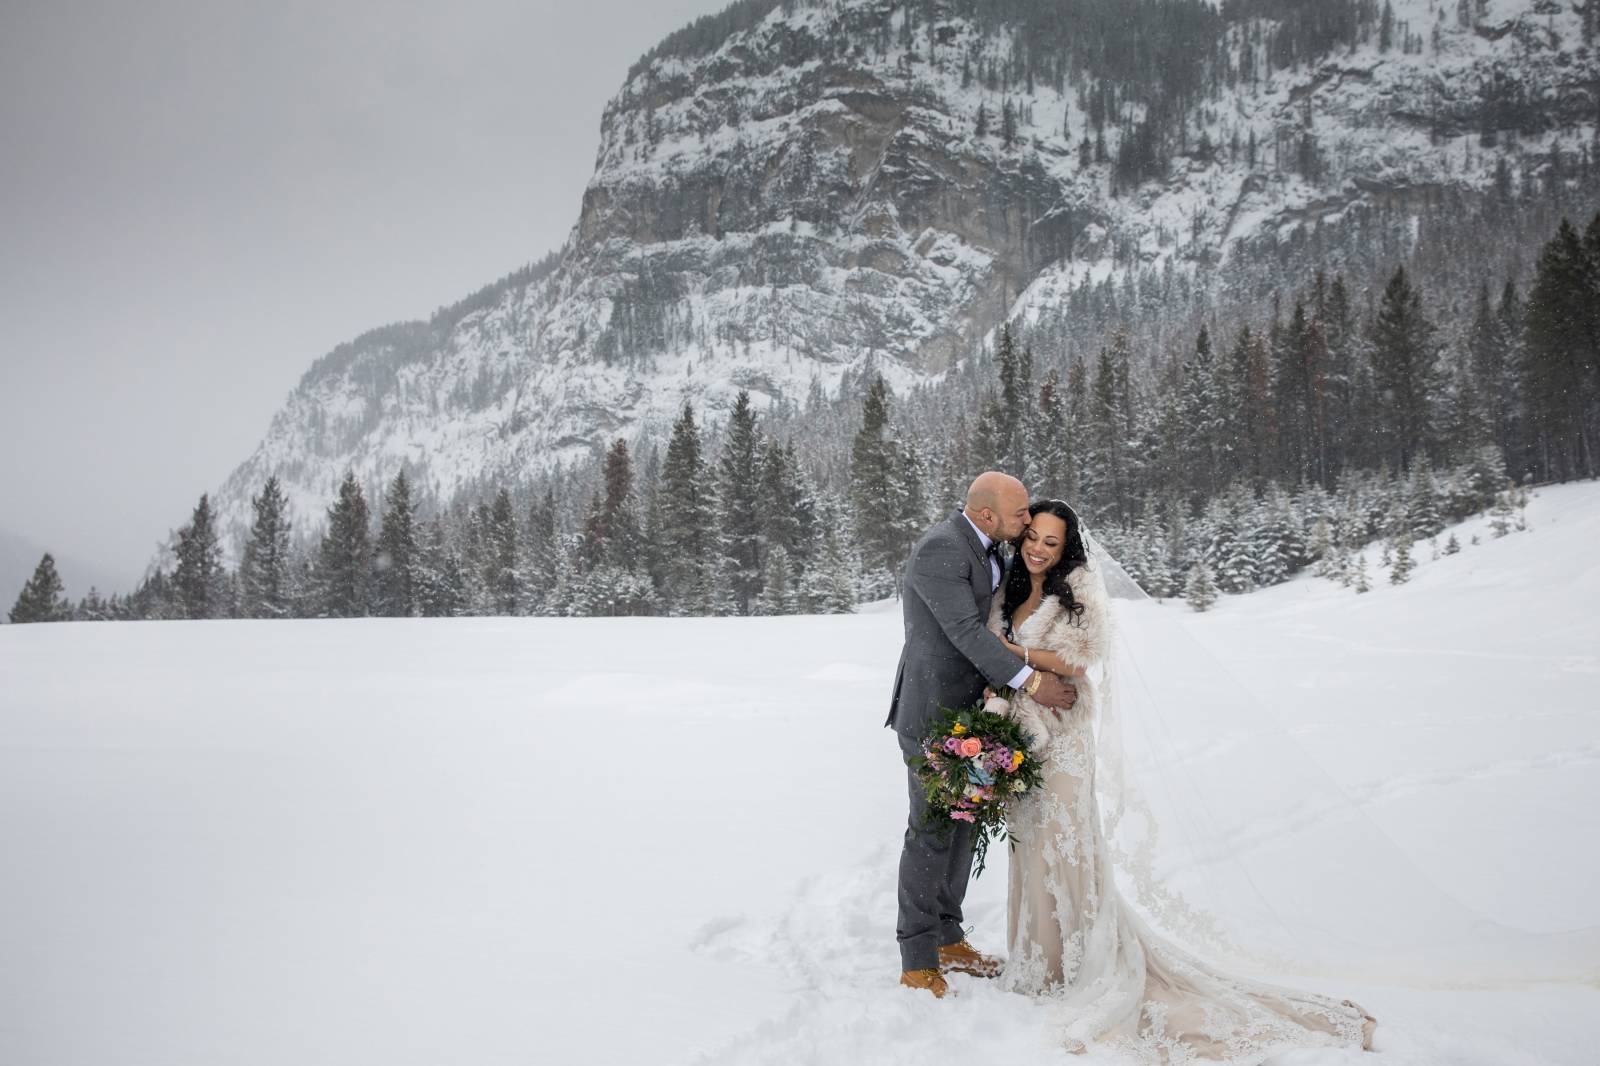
(1562, 371)
(777, 583)
(1230, 543)
(1341, 565)
(718, 594)
(41, 598)
(1050, 450)
(1246, 394)
(1518, 449)
(436, 594)
(910, 505)
(785, 517)
(608, 590)
(1452, 545)
(828, 586)
(1284, 529)
(1200, 591)
(1476, 481)
(304, 597)
(739, 505)
(1400, 572)
(1493, 377)
(1404, 359)
(1016, 387)
(1107, 465)
(1359, 579)
(1301, 399)
(198, 576)
(92, 608)
(615, 580)
(1422, 517)
(545, 566)
(1265, 537)
(344, 563)
(1340, 335)
(877, 481)
(684, 520)
(1500, 514)
(1322, 549)
(505, 564)
(987, 450)
(591, 559)
(476, 550)
(1204, 420)
(396, 592)
(267, 587)
(612, 531)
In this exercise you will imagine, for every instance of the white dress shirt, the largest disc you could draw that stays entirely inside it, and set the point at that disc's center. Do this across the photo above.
(994, 578)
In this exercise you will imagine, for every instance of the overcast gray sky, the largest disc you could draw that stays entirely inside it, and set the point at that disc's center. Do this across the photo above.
(198, 198)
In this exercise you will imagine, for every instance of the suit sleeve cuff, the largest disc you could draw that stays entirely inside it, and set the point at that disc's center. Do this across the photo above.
(1022, 677)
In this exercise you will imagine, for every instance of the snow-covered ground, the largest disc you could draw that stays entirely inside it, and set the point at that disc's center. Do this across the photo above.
(487, 841)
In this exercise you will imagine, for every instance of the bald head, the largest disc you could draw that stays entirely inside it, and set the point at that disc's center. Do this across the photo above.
(997, 503)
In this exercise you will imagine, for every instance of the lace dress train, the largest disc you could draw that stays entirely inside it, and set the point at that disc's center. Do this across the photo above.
(1071, 936)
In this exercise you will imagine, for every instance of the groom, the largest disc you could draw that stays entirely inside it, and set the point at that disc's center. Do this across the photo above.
(951, 577)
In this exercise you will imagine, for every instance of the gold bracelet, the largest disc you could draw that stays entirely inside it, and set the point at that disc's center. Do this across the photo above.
(1032, 686)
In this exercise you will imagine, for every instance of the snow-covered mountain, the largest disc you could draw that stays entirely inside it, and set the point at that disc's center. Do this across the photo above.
(789, 188)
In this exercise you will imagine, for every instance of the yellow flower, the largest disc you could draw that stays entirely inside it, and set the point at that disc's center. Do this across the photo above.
(958, 729)
(1016, 759)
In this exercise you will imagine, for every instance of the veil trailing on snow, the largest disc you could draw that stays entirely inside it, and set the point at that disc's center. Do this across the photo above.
(1230, 837)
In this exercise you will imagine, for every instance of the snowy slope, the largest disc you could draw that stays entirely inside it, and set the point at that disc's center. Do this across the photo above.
(1500, 641)
(623, 841)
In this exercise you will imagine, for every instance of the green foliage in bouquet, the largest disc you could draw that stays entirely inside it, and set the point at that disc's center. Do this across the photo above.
(974, 763)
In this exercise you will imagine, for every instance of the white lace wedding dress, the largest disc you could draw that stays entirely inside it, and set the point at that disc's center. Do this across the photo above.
(1070, 935)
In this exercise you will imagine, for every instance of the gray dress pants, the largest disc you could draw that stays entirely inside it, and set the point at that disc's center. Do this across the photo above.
(935, 863)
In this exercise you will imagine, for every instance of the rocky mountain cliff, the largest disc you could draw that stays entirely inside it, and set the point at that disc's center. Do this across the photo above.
(788, 189)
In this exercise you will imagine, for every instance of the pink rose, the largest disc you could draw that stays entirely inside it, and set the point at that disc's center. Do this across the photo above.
(970, 747)
(965, 816)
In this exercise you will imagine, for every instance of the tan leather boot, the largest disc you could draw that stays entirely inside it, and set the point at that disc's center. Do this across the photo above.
(962, 957)
(1368, 1024)
(931, 980)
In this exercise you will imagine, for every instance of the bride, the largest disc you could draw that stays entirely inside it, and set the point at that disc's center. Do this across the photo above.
(1070, 934)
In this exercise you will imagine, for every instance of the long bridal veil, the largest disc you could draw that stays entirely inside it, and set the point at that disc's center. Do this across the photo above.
(1231, 838)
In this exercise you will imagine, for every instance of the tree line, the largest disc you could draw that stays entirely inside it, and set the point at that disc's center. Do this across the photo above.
(1289, 445)
(1317, 390)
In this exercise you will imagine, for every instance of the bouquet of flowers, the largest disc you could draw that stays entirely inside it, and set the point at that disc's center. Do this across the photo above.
(973, 763)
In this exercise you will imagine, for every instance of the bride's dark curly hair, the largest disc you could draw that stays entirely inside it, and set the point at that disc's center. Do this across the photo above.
(1019, 584)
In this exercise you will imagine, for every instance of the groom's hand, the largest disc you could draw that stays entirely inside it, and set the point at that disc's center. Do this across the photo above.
(1056, 693)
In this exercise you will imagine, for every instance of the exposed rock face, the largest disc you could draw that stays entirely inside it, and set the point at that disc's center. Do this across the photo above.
(812, 190)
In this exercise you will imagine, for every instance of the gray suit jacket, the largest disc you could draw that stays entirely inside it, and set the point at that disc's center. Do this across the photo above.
(949, 651)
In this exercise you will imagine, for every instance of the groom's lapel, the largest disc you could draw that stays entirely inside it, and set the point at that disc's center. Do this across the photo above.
(964, 530)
